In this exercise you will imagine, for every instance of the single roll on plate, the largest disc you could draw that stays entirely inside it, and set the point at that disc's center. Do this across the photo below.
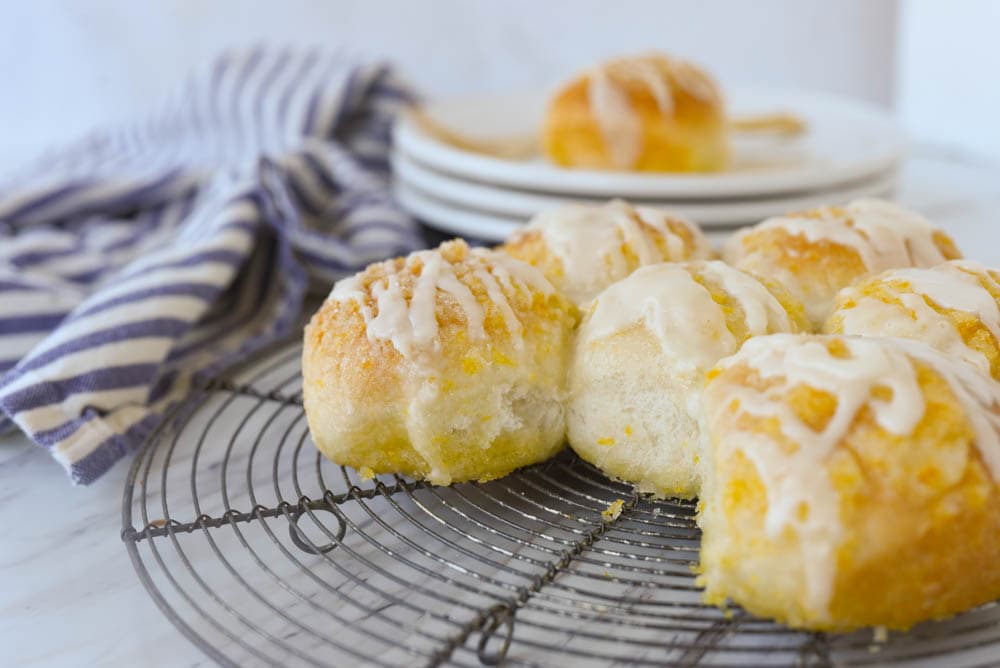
(853, 482)
(639, 362)
(583, 249)
(647, 113)
(447, 365)
(953, 307)
(816, 253)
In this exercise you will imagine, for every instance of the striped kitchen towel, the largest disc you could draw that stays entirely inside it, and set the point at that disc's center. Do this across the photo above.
(139, 261)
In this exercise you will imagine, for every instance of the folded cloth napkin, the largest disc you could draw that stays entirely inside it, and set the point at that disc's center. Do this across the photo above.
(137, 263)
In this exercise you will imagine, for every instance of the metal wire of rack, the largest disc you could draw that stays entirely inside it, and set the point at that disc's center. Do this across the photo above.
(262, 552)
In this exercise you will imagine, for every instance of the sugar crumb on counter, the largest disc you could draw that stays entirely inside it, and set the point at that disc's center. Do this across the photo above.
(613, 511)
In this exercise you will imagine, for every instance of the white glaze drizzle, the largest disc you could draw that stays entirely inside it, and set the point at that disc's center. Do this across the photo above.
(694, 81)
(411, 325)
(607, 94)
(883, 234)
(873, 317)
(688, 323)
(952, 285)
(590, 242)
(793, 478)
(620, 126)
(646, 71)
(761, 309)
(958, 286)
(496, 295)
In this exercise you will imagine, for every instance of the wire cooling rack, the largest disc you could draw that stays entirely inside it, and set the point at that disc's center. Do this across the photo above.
(262, 552)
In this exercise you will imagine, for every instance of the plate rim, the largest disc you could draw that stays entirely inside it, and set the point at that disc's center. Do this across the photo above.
(424, 149)
(726, 214)
(400, 194)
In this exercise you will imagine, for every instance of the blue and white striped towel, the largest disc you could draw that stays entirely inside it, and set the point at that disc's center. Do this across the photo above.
(142, 260)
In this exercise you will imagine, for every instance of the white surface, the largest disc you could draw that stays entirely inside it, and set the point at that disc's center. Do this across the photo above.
(518, 206)
(845, 140)
(949, 56)
(73, 65)
(70, 596)
(439, 215)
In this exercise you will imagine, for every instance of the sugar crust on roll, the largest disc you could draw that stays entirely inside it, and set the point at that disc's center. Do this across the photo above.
(815, 253)
(583, 249)
(853, 482)
(446, 365)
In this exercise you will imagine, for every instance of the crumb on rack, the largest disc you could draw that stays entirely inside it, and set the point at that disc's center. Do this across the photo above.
(366, 473)
(613, 511)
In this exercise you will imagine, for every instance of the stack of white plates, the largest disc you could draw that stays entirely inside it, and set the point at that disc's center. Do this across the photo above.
(849, 150)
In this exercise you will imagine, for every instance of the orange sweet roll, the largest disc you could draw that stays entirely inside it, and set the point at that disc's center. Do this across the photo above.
(646, 113)
(815, 253)
(852, 482)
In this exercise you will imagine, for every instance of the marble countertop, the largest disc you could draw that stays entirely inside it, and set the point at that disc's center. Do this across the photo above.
(70, 595)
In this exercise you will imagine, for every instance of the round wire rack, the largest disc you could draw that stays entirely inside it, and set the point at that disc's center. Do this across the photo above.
(262, 552)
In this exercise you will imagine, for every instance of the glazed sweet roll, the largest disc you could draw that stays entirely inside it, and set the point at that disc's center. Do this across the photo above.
(446, 365)
(816, 253)
(646, 113)
(953, 307)
(583, 249)
(639, 360)
(853, 482)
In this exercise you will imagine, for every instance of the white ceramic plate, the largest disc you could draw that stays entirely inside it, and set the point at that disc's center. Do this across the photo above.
(475, 224)
(487, 226)
(452, 219)
(847, 140)
(521, 204)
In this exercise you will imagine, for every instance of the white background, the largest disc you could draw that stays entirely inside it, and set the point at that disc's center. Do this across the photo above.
(70, 66)
(948, 75)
